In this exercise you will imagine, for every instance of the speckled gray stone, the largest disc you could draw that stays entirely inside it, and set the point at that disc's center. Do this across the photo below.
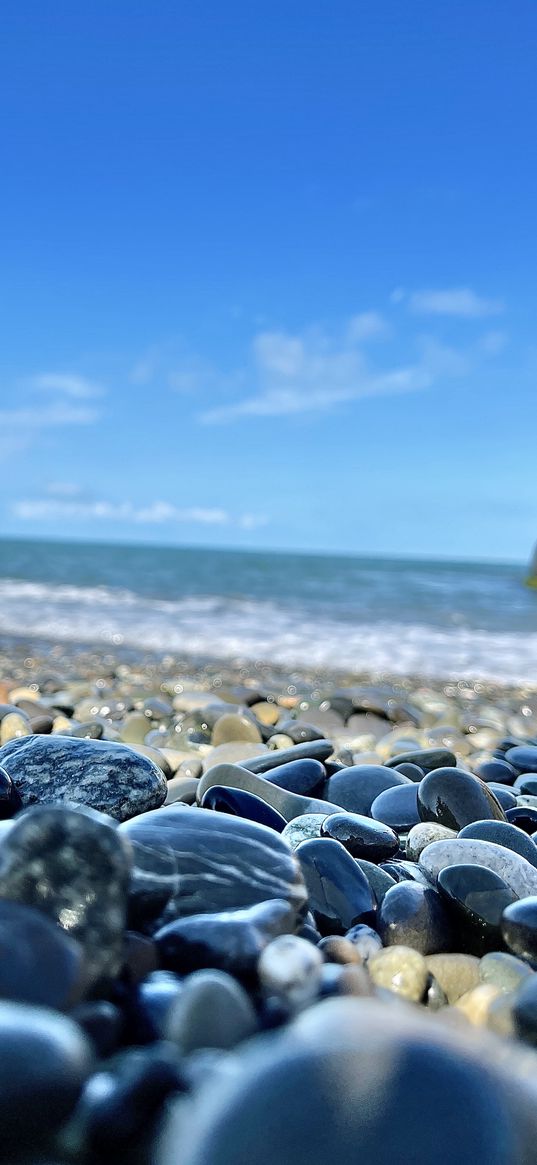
(104, 775)
(514, 869)
(303, 828)
(422, 835)
(73, 866)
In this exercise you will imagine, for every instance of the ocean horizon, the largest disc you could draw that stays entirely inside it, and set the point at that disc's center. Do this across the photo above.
(438, 618)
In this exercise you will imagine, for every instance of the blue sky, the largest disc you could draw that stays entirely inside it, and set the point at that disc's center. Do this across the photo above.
(268, 274)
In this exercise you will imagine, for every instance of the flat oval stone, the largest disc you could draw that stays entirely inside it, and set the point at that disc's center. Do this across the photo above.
(476, 897)
(73, 865)
(523, 758)
(497, 770)
(305, 777)
(230, 941)
(455, 798)
(211, 1011)
(310, 750)
(300, 731)
(397, 807)
(221, 862)
(355, 788)
(519, 929)
(39, 962)
(104, 775)
(362, 837)
(514, 869)
(422, 835)
(339, 893)
(232, 726)
(505, 797)
(524, 817)
(45, 1062)
(504, 970)
(414, 916)
(303, 828)
(289, 805)
(503, 833)
(526, 783)
(427, 759)
(413, 772)
(242, 804)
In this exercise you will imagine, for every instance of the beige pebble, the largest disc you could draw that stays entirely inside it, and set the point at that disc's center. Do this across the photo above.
(13, 725)
(17, 694)
(400, 969)
(61, 723)
(455, 973)
(500, 1014)
(232, 727)
(475, 1004)
(265, 712)
(337, 949)
(281, 740)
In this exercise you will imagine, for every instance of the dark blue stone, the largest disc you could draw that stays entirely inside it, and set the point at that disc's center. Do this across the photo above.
(397, 807)
(413, 772)
(503, 795)
(157, 994)
(361, 836)
(305, 777)
(523, 757)
(309, 750)
(526, 784)
(428, 759)
(403, 871)
(454, 798)
(503, 833)
(412, 915)
(339, 892)
(240, 803)
(378, 879)
(523, 816)
(10, 798)
(496, 770)
(519, 929)
(356, 787)
(476, 898)
(231, 941)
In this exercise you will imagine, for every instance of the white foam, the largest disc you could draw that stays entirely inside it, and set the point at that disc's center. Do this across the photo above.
(255, 629)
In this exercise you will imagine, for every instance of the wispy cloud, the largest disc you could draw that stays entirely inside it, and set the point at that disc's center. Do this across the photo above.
(367, 325)
(49, 416)
(157, 513)
(460, 302)
(66, 383)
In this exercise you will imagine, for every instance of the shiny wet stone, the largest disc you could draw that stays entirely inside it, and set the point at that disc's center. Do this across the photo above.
(414, 916)
(519, 874)
(526, 783)
(73, 865)
(310, 750)
(379, 880)
(103, 775)
(503, 833)
(476, 898)
(455, 798)
(497, 770)
(242, 804)
(219, 862)
(427, 759)
(504, 970)
(289, 805)
(355, 788)
(397, 807)
(524, 1011)
(504, 795)
(524, 817)
(305, 777)
(339, 893)
(523, 757)
(361, 836)
(519, 929)
(230, 941)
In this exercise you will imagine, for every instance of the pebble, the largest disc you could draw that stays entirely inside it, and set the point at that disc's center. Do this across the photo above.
(233, 727)
(523, 758)
(40, 963)
(519, 874)
(305, 777)
(229, 941)
(290, 967)
(400, 969)
(211, 1011)
(10, 799)
(476, 1004)
(303, 828)
(378, 879)
(455, 798)
(414, 916)
(476, 898)
(362, 837)
(311, 750)
(519, 929)
(503, 833)
(422, 835)
(456, 973)
(427, 759)
(355, 788)
(504, 970)
(105, 776)
(288, 805)
(397, 807)
(338, 891)
(243, 804)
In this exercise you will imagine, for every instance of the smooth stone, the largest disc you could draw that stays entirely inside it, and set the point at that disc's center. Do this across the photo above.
(378, 879)
(496, 770)
(74, 867)
(230, 941)
(339, 893)
(500, 1015)
(344, 980)
(365, 939)
(13, 726)
(291, 967)
(337, 949)
(156, 996)
(476, 898)
(476, 1004)
(102, 1023)
(267, 713)
(303, 828)
(211, 1011)
(220, 862)
(305, 777)
(352, 1081)
(414, 916)
(456, 973)
(455, 798)
(427, 759)
(397, 808)
(362, 837)
(524, 1011)
(422, 835)
(519, 874)
(505, 834)
(300, 731)
(236, 752)
(519, 929)
(310, 750)
(403, 871)
(182, 789)
(242, 804)
(105, 776)
(400, 969)
(505, 797)
(523, 758)
(504, 970)
(41, 723)
(413, 772)
(232, 727)
(10, 798)
(526, 784)
(289, 805)
(524, 817)
(134, 728)
(355, 788)
(45, 1062)
(39, 962)
(281, 742)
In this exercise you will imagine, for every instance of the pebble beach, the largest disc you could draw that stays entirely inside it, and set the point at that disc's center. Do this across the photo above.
(249, 914)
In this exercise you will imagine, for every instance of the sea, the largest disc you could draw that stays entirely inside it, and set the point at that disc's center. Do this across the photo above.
(439, 619)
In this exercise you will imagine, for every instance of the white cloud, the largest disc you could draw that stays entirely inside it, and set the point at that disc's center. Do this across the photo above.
(63, 489)
(66, 383)
(50, 416)
(154, 514)
(366, 326)
(460, 302)
(492, 343)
